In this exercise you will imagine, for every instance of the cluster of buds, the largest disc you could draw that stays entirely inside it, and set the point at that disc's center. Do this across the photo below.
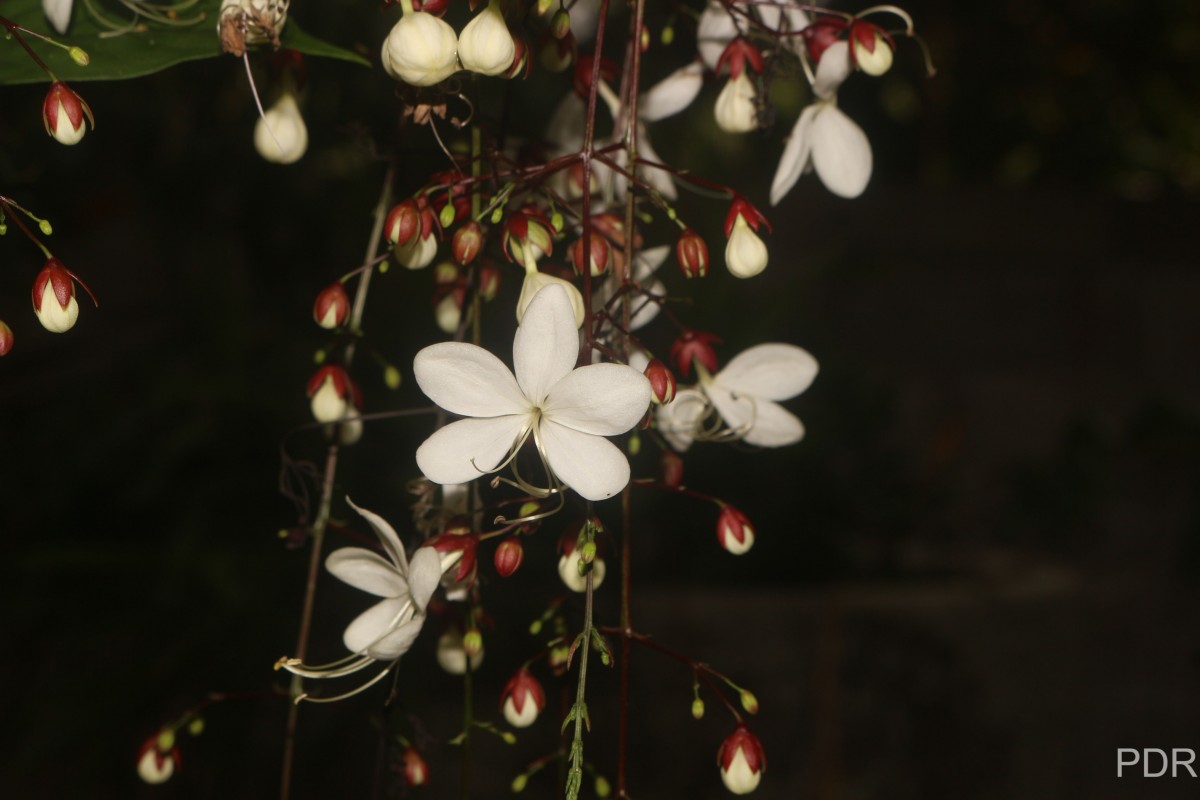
(870, 45)
(423, 50)
(64, 112)
(575, 561)
(522, 699)
(745, 253)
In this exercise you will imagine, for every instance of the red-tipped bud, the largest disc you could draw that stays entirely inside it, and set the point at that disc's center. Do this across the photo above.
(522, 64)
(820, 34)
(527, 227)
(583, 74)
(333, 394)
(456, 548)
(522, 699)
(64, 112)
(6, 338)
(415, 768)
(158, 757)
(467, 242)
(742, 761)
(403, 222)
(332, 306)
(435, 7)
(738, 55)
(694, 346)
(509, 555)
(489, 282)
(691, 252)
(734, 531)
(662, 382)
(870, 47)
(54, 300)
(600, 250)
(670, 468)
(742, 207)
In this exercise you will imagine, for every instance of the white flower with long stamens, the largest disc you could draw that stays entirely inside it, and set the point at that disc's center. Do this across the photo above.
(386, 630)
(566, 411)
(743, 395)
(824, 138)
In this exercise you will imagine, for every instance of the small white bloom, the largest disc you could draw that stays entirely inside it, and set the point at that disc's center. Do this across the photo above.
(280, 135)
(568, 570)
(421, 50)
(567, 411)
(735, 109)
(485, 45)
(745, 253)
(744, 396)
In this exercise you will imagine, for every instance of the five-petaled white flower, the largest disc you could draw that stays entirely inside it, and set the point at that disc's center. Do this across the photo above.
(743, 394)
(386, 630)
(567, 411)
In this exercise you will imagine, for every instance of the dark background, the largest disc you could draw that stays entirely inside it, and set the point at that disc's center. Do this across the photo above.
(976, 578)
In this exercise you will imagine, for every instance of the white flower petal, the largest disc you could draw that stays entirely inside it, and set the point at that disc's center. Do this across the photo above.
(714, 31)
(367, 571)
(468, 380)
(387, 536)
(773, 371)
(372, 624)
(399, 641)
(645, 309)
(650, 260)
(795, 155)
(547, 343)
(567, 123)
(759, 422)
(841, 153)
(534, 282)
(672, 94)
(464, 450)
(602, 399)
(424, 574)
(833, 68)
(59, 13)
(591, 465)
(677, 420)
(788, 17)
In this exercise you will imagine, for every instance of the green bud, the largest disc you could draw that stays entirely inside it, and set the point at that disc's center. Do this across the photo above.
(605, 659)
(557, 222)
(3, 229)
(319, 357)
(697, 708)
(196, 726)
(497, 215)
(668, 34)
(447, 215)
(560, 24)
(518, 784)
(384, 266)
(46, 227)
(587, 553)
(166, 740)
(528, 509)
(391, 377)
(671, 215)
(509, 737)
(535, 627)
(602, 787)
(472, 642)
(79, 56)
(749, 702)
(635, 444)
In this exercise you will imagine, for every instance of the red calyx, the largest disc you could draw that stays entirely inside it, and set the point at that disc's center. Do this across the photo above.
(750, 746)
(752, 215)
(583, 74)
(739, 54)
(695, 346)
(823, 32)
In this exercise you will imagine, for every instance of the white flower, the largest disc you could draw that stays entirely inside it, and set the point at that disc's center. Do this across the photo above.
(746, 254)
(672, 94)
(735, 109)
(421, 50)
(567, 411)
(280, 135)
(485, 45)
(826, 139)
(743, 395)
(386, 630)
(59, 13)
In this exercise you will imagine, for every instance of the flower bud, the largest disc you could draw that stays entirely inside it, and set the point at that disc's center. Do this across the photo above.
(467, 242)
(745, 254)
(749, 701)
(742, 761)
(416, 769)
(572, 567)
(560, 24)
(485, 45)
(418, 253)
(736, 110)
(871, 47)
(670, 467)
(662, 382)
(420, 50)
(522, 64)
(403, 222)
(448, 313)
(445, 274)
(280, 135)
(600, 249)
(332, 393)
(473, 642)
(695, 346)
(332, 307)
(734, 531)
(528, 227)
(535, 281)
(522, 699)
(509, 555)
(559, 656)
(156, 764)
(63, 113)
(6, 338)
(452, 656)
(519, 783)
(697, 709)
(691, 252)
(54, 300)
(489, 282)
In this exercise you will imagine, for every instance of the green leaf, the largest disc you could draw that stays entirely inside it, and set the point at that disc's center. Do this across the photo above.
(129, 55)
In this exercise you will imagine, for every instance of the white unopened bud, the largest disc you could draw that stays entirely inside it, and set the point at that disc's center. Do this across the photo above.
(535, 281)
(569, 569)
(735, 110)
(745, 254)
(452, 656)
(448, 313)
(875, 62)
(418, 253)
(280, 135)
(420, 50)
(485, 45)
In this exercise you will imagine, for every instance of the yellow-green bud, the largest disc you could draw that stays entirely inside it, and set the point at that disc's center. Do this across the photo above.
(509, 737)
(391, 377)
(165, 741)
(557, 222)
(79, 56)
(384, 266)
(749, 702)
(196, 726)
(472, 642)
(602, 787)
(497, 215)
(319, 357)
(560, 24)
(46, 227)
(587, 553)
(3, 229)
(635, 444)
(535, 627)
(518, 784)
(447, 215)
(605, 659)
(528, 509)
(697, 709)
(668, 34)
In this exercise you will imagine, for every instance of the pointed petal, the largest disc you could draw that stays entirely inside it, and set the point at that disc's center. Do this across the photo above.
(59, 13)
(772, 371)
(372, 624)
(591, 465)
(468, 380)
(795, 155)
(678, 419)
(367, 571)
(424, 574)
(645, 309)
(399, 641)
(649, 260)
(601, 399)
(547, 343)
(672, 94)
(465, 450)
(841, 153)
(833, 68)
(759, 422)
(387, 536)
